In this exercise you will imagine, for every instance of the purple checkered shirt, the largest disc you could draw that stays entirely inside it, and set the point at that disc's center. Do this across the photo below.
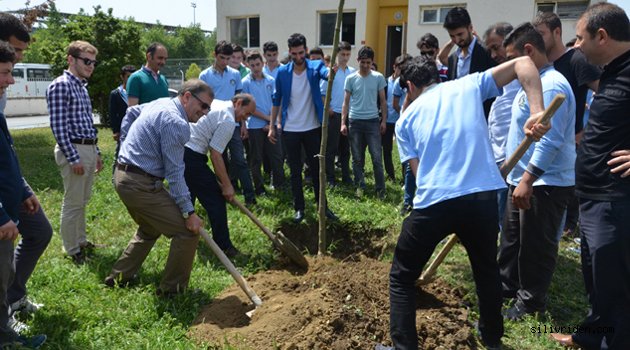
(70, 111)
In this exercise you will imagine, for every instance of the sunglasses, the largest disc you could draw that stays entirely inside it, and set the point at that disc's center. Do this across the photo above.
(203, 104)
(87, 61)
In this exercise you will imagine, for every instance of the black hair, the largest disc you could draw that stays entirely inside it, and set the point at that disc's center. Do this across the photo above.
(245, 99)
(365, 52)
(223, 48)
(525, 34)
(457, 17)
(12, 26)
(400, 60)
(421, 71)
(344, 45)
(428, 40)
(237, 48)
(296, 39)
(316, 50)
(153, 47)
(195, 86)
(127, 69)
(254, 55)
(609, 17)
(270, 46)
(7, 53)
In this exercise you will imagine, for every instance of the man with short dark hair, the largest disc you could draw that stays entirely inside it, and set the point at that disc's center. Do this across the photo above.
(470, 56)
(337, 143)
(76, 153)
(539, 186)
(316, 53)
(429, 46)
(148, 83)
(270, 51)
(298, 110)
(237, 59)
(118, 102)
(14, 193)
(362, 89)
(261, 86)
(34, 226)
(153, 151)
(602, 182)
(455, 173)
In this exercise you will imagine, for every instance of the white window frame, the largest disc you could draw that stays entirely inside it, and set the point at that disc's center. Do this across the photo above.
(319, 24)
(439, 8)
(557, 4)
(247, 18)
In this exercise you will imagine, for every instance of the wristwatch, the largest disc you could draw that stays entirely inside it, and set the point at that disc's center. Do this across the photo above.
(188, 214)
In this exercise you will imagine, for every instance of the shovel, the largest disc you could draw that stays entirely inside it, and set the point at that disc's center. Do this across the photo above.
(282, 243)
(231, 269)
(429, 274)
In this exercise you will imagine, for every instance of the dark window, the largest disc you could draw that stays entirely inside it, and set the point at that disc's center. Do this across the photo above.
(565, 10)
(37, 74)
(327, 22)
(245, 31)
(18, 73)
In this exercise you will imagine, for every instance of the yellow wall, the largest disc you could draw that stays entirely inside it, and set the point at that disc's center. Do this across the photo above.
(380, 14)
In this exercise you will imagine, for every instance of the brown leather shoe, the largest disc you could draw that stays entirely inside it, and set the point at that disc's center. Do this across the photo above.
(564, 339)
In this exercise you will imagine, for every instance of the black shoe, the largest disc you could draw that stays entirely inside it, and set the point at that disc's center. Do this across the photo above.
(516, 312)
(250, 202)
(331, 216)
(79, 258)
(299, 216)
(23, 342)
(111, 282)
(232, 252)
(261, 191)
(497, 345)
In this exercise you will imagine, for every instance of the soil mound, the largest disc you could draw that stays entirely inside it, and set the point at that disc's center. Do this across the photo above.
(335, 305)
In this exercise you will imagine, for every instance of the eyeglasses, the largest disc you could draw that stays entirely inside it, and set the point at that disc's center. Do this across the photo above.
(427, 53)
(203, 104)
(87, 61)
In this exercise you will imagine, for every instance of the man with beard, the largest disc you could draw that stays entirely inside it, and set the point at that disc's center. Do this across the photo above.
(148, 84)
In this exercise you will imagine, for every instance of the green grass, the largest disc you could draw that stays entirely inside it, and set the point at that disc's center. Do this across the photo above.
(81, 313)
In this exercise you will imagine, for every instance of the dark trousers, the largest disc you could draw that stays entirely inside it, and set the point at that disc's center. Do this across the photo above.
(294, 141)
(238, 168)
(475, 223)
(36, 232)
(260, 146)
(605, 228)
(203, 185)
(344, 156)
(6, 277)
(528, 248)
(387, 140)
(332, 145)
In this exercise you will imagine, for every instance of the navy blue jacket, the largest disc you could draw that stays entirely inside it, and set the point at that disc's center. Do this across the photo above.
(13, 188)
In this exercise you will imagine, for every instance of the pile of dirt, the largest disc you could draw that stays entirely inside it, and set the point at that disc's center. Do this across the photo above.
(335, 305)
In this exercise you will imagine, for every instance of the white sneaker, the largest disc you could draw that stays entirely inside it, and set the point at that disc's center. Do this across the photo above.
(17, 326)
(24, 305)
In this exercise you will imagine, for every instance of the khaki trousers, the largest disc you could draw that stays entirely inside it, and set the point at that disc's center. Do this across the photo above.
(156, 213)
(77, 193)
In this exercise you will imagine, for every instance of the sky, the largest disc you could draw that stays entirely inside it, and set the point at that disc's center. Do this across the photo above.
(168, 12)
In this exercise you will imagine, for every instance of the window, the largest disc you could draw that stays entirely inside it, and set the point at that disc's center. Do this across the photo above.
(435, 14)
(18, 73)
(565, 9)
(245, 31)
(327, 22)
(38, 74)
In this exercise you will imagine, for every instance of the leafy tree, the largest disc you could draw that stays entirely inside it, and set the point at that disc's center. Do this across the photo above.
(193, 71)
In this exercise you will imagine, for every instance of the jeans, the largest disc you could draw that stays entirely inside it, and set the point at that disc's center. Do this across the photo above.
(410, 184)
(260, 146)
(238, 168)
(203, 185)
(362, 134)
(529, 245)
(294, 141)
(387, 140)
(36, 233)
(605, 230)
(476, 226)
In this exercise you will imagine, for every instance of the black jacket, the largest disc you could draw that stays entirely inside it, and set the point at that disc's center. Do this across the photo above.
(117, 109)
(13, 189)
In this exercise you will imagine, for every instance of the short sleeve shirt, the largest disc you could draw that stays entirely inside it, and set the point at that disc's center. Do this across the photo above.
(364, 91)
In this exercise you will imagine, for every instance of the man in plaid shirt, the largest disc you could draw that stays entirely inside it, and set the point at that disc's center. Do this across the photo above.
(76, 152)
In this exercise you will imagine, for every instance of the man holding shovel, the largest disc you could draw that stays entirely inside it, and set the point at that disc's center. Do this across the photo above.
(153, 150)
(457, 174)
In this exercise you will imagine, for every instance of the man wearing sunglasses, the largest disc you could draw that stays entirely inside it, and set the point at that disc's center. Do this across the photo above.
(152, 151)
(76, 152)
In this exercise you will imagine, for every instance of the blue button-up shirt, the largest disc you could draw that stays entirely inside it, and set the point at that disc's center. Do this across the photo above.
(70, 111)
(463, 63)
(155, 143)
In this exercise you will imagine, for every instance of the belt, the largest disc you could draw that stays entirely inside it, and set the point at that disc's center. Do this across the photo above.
(136, 170)
(84, 141)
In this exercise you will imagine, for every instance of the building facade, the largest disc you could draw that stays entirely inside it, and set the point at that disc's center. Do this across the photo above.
(390, 27)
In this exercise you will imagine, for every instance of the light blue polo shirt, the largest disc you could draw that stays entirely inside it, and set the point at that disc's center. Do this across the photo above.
(450, 140)
(224, 84)
(337, 93)
(364, 92)
(394, 90)
(262, 90)
(272, 73)
(555, 152)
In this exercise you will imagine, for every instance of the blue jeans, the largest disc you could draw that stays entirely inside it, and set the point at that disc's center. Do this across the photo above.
(362, 134)
(238, 166)
(476, 227)
(203, 184)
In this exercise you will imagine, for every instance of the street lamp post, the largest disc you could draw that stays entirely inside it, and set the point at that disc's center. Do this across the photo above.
(194, 6)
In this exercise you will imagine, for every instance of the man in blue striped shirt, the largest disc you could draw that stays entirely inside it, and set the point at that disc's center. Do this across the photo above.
(153, 150)
(76, 152)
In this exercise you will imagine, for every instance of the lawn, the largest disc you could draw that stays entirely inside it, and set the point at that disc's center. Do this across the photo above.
(81, 313)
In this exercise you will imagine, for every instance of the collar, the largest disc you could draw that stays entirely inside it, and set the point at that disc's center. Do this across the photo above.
(217, 71)
(180, 108)
(149, 70)
(545, 68)
(614, 65)
(74, 78)
(470, 47)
